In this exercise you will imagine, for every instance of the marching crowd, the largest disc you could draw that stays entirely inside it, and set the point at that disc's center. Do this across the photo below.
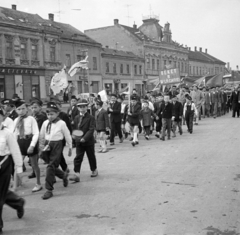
(28, 130)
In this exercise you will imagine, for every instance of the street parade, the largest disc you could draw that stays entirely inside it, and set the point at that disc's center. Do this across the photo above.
(115, 130)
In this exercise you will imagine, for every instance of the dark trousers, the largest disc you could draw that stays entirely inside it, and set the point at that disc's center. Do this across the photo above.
(115, 128)
(166, 123)
(189, 120)
(147, 130)
(63, 163)
(54, 159)
(80, 151)
(6, 196)
(159, 124)
(235, 109)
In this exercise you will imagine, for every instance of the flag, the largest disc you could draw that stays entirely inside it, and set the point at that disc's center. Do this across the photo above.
(200, 82)
(83, 64)
(157, 87)
(217, 80)
(103, 95)
(59, 81)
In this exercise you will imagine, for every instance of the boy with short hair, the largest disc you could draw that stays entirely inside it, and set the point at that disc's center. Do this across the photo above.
(52, 133)
(188, 111)
(27, 133)
(9, 108)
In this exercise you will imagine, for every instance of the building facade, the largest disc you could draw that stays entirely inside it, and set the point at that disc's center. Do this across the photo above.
(33, 49)
(120, 69)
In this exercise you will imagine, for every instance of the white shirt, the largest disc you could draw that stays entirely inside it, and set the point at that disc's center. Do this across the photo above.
(59, 131)
(123, 108)
(193, 108)
(9, 124)
(30, 128)
(9, 145)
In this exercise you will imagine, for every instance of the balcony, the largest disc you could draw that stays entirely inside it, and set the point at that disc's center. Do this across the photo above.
(24, 62)
(9, 61)
(52, 64)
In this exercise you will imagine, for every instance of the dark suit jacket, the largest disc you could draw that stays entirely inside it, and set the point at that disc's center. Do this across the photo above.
(102, 120)
(74, 112)
(13, 115)
(207, 98)
(87, 125)
(224, 96)
(166, 110)
(66, 119)
(157, 108)
(135, 111)
(214, 98)
(177, 110)
(219, 97)
(40, 118)
(115, 115)
(234, 97)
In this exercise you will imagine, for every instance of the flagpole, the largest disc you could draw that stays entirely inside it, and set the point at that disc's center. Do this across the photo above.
(129, 85)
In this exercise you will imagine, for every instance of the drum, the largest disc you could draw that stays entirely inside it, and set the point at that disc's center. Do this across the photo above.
(77, 134)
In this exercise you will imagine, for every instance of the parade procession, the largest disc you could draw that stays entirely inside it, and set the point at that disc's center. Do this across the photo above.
(150, 115)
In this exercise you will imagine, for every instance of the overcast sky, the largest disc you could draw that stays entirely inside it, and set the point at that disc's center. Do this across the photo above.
(211, 24)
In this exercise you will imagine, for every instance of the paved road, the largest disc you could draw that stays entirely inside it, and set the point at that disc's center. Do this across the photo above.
(186, 186)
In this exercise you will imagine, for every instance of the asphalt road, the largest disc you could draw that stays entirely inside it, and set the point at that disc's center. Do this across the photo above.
(186, 186)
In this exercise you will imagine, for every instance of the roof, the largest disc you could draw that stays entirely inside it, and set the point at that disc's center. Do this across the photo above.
(137, 33)
(204, 57)
(119, 53)
(68, 31)
(20, 18)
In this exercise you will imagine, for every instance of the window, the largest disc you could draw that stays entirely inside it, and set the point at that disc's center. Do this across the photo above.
(193, 70)
(128, 69)
(197, 70)
(114, 68)
(186, 69)
(34, 52)
(23, 52)
(68, 60)
(140, 69)
(80, 57)
(135, 69)
(153, 64)
(175, 64)
(148, 63)
(190, 69)
(165, 63)
(158, 64)
(182, 67)
(107, 67)
(121, 69)
(9, 50)
(179, 65)
(52, 54)
(94, 63)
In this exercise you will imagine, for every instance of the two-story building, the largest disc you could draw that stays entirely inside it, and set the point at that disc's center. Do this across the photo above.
(33, 49)
(120, 69)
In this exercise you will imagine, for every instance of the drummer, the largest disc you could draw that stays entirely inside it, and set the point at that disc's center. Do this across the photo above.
(9, 145)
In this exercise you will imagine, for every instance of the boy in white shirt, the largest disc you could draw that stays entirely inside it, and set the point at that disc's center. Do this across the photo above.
(52, 133)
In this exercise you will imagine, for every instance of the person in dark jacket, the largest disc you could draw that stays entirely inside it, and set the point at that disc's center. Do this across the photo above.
(133, 118)
(9, 108)
(177, 112)
(86, 143)
(158, 118)
(234, 100)
(115, 118)
(166, 111)
(146, 117)
(73, 110)
(102, 125)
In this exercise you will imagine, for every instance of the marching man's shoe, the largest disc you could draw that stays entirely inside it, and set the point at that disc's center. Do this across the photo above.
(20, 211)
(37, 188)
(100, 151)
(94, 173)
(48, 194)
(75, 178)
(121, 140)
(133, 143)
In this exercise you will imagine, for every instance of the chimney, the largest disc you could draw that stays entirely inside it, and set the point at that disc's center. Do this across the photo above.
(206, 51)
(195, 48)
(135, 26)
(200, 49)
(51, 16)
(14, 7)
(115, 21)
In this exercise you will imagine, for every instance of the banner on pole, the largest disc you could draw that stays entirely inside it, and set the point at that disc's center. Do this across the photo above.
(169, 76)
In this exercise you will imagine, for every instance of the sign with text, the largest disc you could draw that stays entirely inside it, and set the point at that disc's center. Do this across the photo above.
(169, 76)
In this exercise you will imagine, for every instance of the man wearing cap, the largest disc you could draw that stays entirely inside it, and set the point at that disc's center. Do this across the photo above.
(9, 108)
(189, 111)
(157, 111)
(115, 118)
(102, 125)
(85, 143)
(235, 102)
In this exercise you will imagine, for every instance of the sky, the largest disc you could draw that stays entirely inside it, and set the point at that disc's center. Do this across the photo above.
(211, 24)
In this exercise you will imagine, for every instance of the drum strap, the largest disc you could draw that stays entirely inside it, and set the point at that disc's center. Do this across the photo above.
(4, 159)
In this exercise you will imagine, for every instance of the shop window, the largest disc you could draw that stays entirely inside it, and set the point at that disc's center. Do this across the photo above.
(121, 69)
(128, 69)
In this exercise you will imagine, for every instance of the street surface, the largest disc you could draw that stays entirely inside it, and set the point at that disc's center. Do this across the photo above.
(186, 186)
